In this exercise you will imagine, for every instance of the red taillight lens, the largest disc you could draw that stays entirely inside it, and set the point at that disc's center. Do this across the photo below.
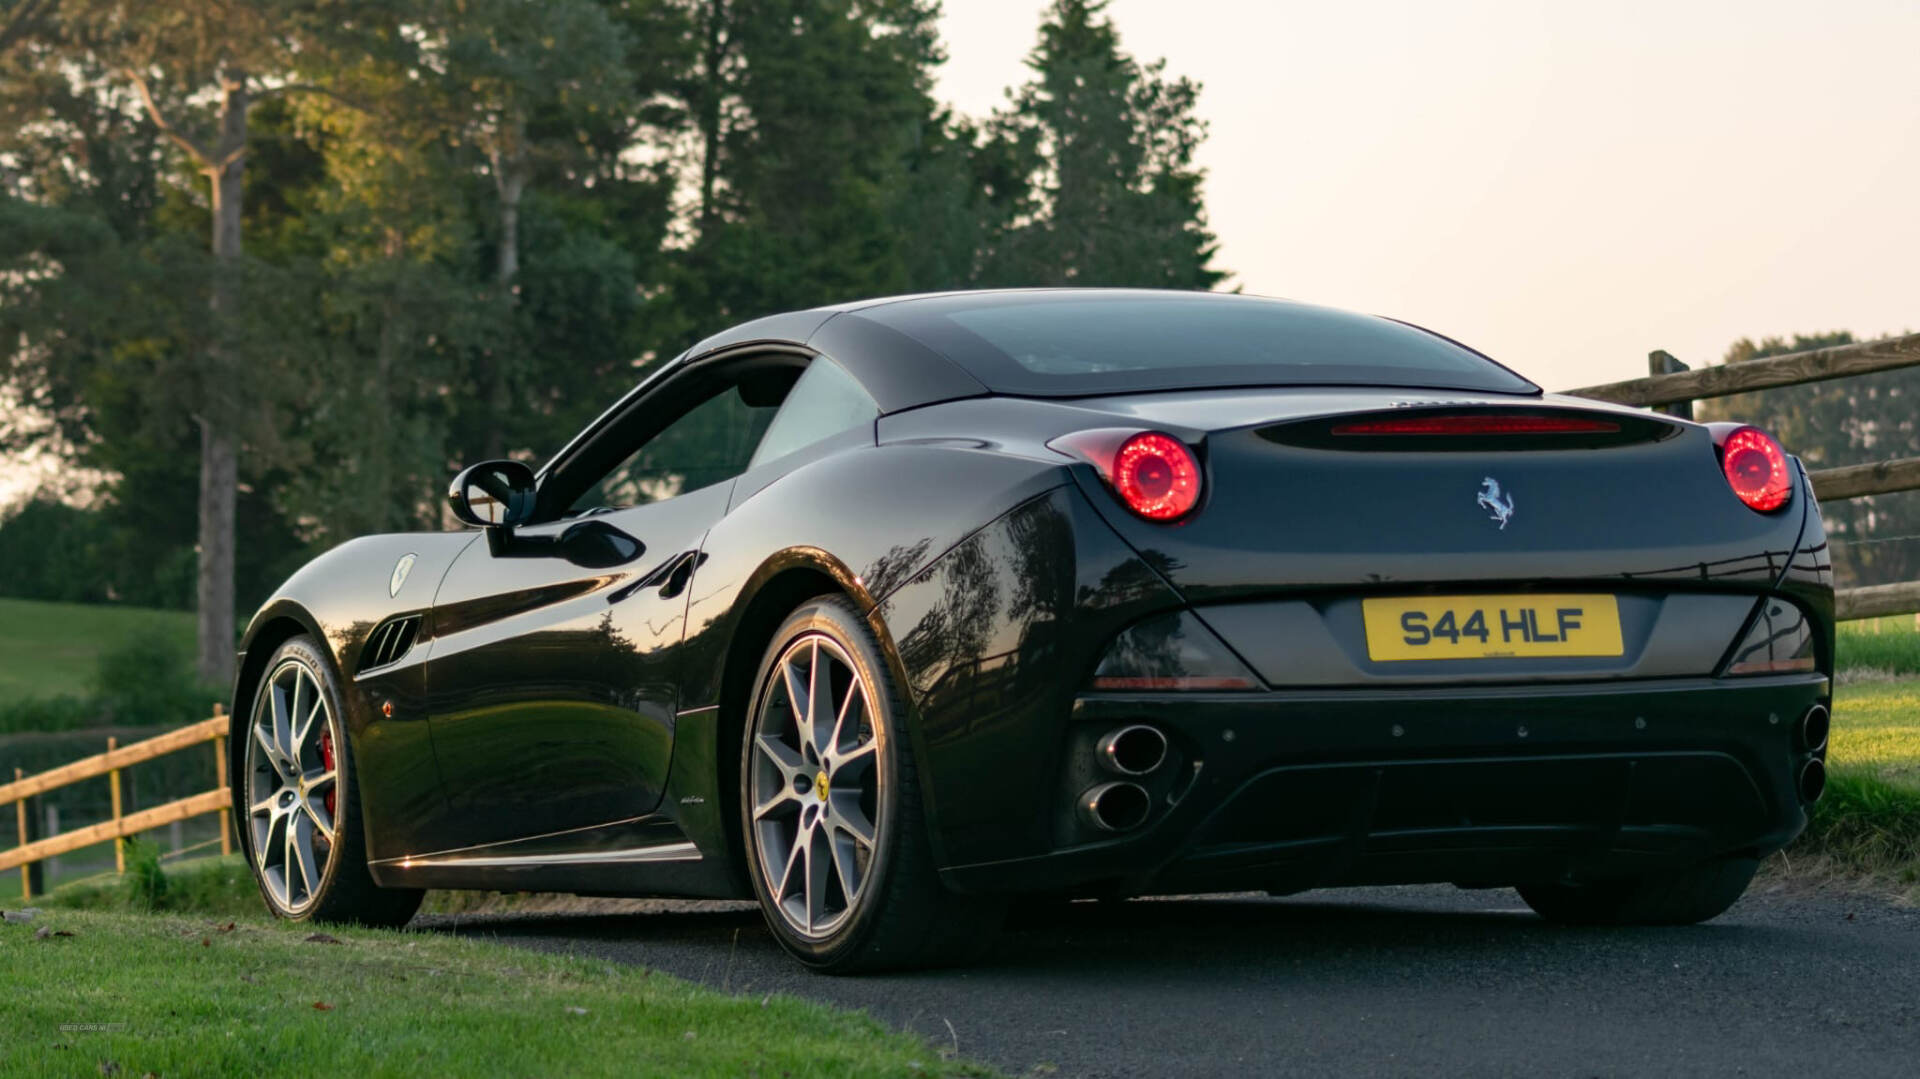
(1157, 476)
(1756, 469)
(1479, 425)
(1154, 473)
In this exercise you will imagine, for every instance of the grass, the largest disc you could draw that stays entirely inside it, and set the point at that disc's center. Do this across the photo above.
(212, 886)
(1868, 824)
(1876, 730)
(1888, 645)
(193, 995)
(53, 649)
(1865, 827)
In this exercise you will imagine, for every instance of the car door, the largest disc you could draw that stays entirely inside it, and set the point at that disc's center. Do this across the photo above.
(554, 663)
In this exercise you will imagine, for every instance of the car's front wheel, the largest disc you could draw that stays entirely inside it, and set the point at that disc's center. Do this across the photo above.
(830, 805)
(1678, 897)
(299, 800)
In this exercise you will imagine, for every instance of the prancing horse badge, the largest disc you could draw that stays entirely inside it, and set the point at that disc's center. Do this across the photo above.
(400, 571)
(1495, 501)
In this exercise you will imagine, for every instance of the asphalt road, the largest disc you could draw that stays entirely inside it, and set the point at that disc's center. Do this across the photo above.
(1414, 981)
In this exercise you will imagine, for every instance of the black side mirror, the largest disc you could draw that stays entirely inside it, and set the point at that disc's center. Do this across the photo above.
(597, 545)
(493, 494)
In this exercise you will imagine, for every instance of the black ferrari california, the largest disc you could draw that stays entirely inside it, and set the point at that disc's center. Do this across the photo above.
(889, 613)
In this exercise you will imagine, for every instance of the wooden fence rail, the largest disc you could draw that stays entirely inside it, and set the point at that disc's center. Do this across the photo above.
(1792, 369)
(119, 825)
(1876, 478)
(1672, 384)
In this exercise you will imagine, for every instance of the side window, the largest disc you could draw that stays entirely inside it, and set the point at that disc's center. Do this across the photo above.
(824, 402)
(710, 443)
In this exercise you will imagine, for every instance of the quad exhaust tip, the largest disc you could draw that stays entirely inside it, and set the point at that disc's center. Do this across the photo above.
(1813, 781)
(1115, 807)
(1814, 727)
(1132, 751)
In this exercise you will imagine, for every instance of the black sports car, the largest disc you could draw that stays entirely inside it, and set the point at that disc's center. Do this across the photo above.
(890, 612)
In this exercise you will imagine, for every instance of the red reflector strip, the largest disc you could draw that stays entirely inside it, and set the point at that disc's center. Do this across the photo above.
(1136, 683)
(1479, 425)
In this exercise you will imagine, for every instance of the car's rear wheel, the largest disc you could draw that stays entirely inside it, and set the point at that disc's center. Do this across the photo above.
(1680, 897)
(830, 806)
(299, 802)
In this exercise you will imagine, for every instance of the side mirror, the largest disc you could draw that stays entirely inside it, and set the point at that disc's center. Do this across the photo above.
(493, 494)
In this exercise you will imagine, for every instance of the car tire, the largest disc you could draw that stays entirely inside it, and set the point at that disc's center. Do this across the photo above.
(1681, 897)
(803, 810)
(276, 812)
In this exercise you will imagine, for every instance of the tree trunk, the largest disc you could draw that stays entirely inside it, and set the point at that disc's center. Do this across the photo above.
(219, 456)
(713, 59)
(219, 479)
(511, 173)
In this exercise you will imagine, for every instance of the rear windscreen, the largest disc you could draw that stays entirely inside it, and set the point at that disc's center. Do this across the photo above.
(1068, 344)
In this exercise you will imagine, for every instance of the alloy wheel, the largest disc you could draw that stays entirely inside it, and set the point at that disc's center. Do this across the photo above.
(815, 783)
(292, 786)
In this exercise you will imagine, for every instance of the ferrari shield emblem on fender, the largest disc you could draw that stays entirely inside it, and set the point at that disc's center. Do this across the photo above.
(400, 571)
(1495, 501)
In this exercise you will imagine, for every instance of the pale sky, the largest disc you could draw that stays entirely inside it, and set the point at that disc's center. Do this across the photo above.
(1565, 186)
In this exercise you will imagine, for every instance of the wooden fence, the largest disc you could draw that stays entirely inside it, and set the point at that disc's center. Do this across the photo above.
(1675, 388)
(119, 826)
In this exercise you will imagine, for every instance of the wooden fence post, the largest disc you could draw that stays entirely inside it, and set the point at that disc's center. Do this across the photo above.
(119, 844)
(26, 878)
(1662, 362)
(220, 780)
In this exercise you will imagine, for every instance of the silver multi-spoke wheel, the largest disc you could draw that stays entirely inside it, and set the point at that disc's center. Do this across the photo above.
(815, 783)
(292, 785)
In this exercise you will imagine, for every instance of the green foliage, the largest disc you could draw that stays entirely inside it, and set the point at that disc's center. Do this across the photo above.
(147, 680)
(144, 885)
(1111, 145)
(468, 223)
(214, 887)
(44, 714)
(47, 551)
(1866, 825)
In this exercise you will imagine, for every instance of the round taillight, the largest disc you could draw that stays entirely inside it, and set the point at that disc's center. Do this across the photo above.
(1756, 469)
(1157, 476)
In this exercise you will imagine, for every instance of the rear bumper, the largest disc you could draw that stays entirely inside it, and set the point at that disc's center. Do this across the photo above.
(1476, 785)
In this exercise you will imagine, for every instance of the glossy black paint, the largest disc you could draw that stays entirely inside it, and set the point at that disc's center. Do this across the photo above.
(567, 717)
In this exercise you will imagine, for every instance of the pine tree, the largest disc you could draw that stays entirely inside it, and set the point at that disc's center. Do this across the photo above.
(1110, 146)
(811, 118)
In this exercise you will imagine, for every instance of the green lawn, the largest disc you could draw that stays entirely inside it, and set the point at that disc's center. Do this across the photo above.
(1868, 825)
(1881, 644)
(1877, 729)
(50, 649)
(193, 995)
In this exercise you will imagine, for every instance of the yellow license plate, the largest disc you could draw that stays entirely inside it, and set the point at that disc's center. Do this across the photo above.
(1490, 627)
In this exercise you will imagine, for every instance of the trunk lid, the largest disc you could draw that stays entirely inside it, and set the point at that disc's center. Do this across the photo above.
(1329, 489)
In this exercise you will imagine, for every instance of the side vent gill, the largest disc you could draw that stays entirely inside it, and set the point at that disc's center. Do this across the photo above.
(389, 642)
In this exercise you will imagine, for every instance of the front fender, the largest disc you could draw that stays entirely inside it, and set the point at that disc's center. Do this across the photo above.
(337, 599)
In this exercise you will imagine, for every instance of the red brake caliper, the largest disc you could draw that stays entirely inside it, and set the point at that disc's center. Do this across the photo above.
(326, 761)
